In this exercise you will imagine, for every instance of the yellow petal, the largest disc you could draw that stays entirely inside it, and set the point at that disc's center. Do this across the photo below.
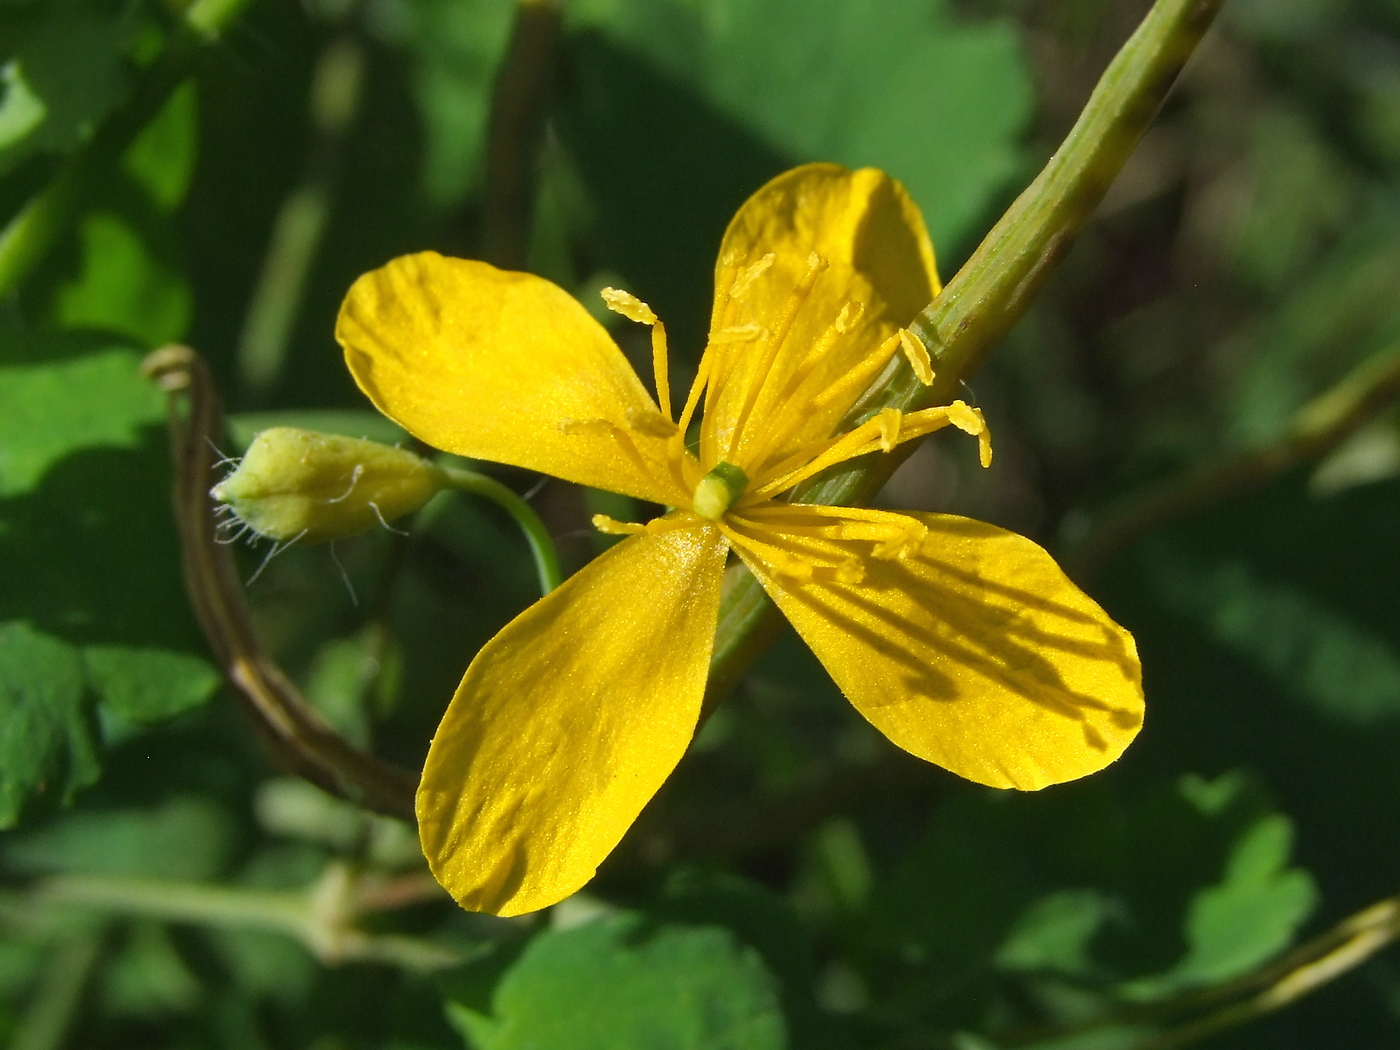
(568, 721)
(965, 644)
(879, 270)
(507, 367)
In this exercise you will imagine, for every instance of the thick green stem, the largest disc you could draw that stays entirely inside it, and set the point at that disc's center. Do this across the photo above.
(992, 291)
(536, 535)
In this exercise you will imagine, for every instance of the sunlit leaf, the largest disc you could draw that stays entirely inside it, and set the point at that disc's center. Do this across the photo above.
(50, 410)
(122, 288)
(619, 982)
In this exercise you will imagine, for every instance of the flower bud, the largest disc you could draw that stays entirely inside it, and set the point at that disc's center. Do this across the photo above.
(302, 486)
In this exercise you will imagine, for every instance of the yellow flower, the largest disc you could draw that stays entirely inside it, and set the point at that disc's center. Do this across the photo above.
(963, 643)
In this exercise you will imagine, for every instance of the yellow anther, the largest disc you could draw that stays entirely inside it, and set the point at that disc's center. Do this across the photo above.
(740, 333)
(789, 569)
(613, 527)
(971, 421)
(889, 421)
(966, 418)
(652, 424)
(917, 354)
(849, 315)
(904, 541)
(849, 571)
(592, 427)
(749, 274)
(628, 305)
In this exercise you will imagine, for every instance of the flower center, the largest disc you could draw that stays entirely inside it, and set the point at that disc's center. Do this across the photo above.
(718, 490)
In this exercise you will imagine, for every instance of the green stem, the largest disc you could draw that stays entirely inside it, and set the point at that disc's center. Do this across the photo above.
(536, 535)
(1315, 430)
(34, 229)
(321, 916)
(992, 291)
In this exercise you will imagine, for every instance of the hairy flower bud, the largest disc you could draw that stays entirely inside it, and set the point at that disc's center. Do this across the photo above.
(302, 486)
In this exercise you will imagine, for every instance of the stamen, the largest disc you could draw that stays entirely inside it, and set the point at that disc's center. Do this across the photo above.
(908, 539)
(661, 369)
(888, 421)
(971, 421)
(863, 439)
(848, 316)
(856, 379)
(612, 527)
(652, 424)
(628, 305)
(763, 368)
(746, 278)
(739, 333)
(917, 354)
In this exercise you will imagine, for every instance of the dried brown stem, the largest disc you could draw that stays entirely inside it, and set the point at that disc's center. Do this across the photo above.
(298, 738)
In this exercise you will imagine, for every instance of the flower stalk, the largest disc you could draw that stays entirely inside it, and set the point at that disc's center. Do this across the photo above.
(298, 738)
(992, 291)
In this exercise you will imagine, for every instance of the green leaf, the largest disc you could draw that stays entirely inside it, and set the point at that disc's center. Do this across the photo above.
(48, 411)
(937, 103)
(184, 838)
(617, 982)
(1314, 652)
(1055, 934)
(47, 749)
(147, 978)
(457, 48)
(1253, 914)
(161, 160)
(1247, 918)
(21, 111)
(70, 58)
(145, 685)
(122, 288)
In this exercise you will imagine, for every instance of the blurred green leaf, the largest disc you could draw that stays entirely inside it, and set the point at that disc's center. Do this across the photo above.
(1250, 916)
(69, 55)
(1055, 934)
(147, 978)
(21, 111)
(47, 749)
(185, 837)
(122, 288)
(618, 982)
(457, 47)
(147, 686)
(938, 103)
(48, 411)
(1314, 652)
(162, 158)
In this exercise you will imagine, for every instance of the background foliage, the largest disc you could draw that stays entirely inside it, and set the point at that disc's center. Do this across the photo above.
(799, 883)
